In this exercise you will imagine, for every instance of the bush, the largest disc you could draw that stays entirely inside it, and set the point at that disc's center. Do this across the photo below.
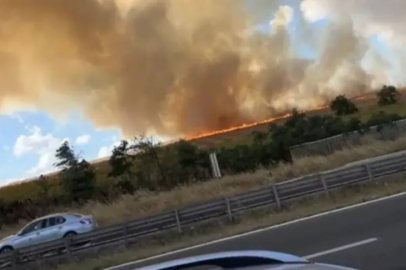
(343, 106)
(387, 95)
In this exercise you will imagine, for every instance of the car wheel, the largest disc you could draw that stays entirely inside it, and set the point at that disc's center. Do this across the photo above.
(69, 234)
(6, 249)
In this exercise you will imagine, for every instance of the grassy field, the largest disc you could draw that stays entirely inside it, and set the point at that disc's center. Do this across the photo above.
(144, 203)
(252, 220)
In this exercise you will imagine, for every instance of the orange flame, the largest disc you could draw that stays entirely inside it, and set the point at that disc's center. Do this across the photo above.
(266, 121)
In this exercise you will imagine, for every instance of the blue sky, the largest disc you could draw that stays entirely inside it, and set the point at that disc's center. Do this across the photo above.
(32, 137)
(29, 139)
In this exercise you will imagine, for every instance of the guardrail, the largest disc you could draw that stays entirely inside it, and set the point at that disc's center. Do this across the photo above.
(329, 145)
(274, 195)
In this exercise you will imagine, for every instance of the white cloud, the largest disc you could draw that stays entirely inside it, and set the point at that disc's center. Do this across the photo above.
(370, 17)
(44, 165)
(42, 145)
(105, 151)
(84, 139)
(36, 142)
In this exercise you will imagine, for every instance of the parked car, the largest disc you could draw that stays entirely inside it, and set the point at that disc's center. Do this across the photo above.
(244, 260)
(48, 228)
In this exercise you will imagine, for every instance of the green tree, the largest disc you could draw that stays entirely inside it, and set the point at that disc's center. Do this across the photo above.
(341, 105)
(121, 163)
(77, 175)
(148, 160)
(387, 95)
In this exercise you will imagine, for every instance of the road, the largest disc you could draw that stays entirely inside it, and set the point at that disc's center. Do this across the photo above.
(367, 237)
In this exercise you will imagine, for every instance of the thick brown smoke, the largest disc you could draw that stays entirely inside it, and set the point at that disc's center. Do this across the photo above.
(170, 67)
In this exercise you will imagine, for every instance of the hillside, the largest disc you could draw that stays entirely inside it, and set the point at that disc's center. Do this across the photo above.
(240, 135)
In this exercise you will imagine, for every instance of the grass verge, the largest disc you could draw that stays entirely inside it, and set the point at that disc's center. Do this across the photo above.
(251, 220)
(145, 203)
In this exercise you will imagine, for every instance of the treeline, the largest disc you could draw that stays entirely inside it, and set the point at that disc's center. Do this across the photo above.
(139, 164)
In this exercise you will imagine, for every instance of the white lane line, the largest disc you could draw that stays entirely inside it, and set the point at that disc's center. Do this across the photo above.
(250, 233)
(337, 249)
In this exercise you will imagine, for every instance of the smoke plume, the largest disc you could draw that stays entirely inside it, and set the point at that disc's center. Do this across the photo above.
(172, 67)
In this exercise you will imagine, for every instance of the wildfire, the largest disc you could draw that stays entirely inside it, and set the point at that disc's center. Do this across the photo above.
(266, 121)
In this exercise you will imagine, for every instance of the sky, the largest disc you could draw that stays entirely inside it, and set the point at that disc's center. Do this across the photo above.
(30, 138)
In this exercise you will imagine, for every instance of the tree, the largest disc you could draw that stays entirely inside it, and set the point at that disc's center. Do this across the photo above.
(387, 95)
(145, 147)
(121, 162)
(343, 106)
(77, 175)
(66, 157)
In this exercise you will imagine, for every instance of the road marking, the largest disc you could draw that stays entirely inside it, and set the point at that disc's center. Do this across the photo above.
(337, 249)
(258, 231)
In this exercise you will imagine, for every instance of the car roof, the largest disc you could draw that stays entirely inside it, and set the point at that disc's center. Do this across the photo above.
(60, 214)
(243, 260)
(275, 257)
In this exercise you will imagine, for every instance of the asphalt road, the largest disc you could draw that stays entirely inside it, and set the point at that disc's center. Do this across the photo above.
(368, 237)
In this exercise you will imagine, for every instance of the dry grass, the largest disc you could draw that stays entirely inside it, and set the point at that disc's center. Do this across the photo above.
(145, 203)
(250, 221)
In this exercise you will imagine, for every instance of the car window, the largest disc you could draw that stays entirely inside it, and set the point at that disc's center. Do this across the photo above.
(43, 224)
(60, 220)
(31, 227)
(52, 222)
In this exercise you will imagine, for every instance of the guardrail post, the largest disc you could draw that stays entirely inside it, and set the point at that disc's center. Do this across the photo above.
(68, 251)
(125, 230)
(345, 140)
(14, 260)
(370, 176)
(230, 214)
(178, 222)
(323, 181)
(275, 193)
(328, 146)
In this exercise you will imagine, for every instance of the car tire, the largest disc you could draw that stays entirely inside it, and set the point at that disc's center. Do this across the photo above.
(69, 234)
(6, 249)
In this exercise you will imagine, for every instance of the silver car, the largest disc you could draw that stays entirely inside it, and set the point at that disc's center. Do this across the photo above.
(48, 228)
(244, 260)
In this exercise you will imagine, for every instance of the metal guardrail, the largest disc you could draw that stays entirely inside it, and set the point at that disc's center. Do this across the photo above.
(275, 195)
(331, 144)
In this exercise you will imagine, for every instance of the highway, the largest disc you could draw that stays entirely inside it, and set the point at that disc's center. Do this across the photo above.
(371, 236)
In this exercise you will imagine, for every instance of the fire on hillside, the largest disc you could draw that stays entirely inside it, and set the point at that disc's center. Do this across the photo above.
(269, 120)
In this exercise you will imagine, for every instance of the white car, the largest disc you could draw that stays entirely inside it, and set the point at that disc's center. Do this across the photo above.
(48, 228)
(244, 260)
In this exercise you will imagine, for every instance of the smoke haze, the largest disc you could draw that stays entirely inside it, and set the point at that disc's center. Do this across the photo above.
(175, 67)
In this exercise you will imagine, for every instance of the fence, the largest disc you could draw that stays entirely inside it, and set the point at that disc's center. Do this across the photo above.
(181, 219)
(330, 145)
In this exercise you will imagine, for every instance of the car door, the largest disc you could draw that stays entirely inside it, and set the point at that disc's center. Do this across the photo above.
(52, 231)
(37, 236)
(29, 234)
